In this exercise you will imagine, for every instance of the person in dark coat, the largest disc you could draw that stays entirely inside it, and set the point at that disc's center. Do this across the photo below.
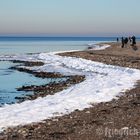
(126, 40)
(134, 47)
(133, 40)
(122, 40)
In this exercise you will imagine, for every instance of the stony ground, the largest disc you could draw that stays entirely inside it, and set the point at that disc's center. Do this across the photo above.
(115, 120)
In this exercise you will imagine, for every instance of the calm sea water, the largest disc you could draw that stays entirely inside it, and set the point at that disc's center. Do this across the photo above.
(11, 79)
(12, 45)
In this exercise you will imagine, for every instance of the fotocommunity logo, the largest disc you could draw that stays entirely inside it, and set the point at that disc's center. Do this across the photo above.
(107, 132)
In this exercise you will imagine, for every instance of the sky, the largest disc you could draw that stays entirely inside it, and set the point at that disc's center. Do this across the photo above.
(69, 17)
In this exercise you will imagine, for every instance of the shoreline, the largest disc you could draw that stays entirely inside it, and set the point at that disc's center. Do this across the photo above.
(96, 115)
(46, 89)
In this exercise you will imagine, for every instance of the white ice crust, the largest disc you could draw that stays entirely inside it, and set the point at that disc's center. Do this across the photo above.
(102, 84)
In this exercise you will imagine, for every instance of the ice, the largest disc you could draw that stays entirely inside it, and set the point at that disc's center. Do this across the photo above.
(98, 47)
(102, 84)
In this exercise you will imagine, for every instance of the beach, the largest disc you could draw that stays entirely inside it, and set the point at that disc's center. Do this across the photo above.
(99, 121)
(69, 70)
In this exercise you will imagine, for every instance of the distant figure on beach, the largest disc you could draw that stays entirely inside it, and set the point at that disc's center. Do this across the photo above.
(133, 40)
(134, 47)
(126, 41)
(122, 40)
(117, 39)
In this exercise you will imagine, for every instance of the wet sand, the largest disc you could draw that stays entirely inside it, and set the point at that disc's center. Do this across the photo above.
(115, 120)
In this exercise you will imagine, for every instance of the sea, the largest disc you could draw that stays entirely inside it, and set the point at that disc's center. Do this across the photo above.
(11, 79)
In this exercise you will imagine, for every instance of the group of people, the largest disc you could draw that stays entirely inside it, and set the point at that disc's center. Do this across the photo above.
(125, 41)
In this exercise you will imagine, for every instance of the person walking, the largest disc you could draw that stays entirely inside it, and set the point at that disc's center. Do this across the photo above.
(126, 41)
(122, 40)
(134, 47)
(133, 40)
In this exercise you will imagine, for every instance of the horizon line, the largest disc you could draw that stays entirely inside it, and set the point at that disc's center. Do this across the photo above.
(1, 36)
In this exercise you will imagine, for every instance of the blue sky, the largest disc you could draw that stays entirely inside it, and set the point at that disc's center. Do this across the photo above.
(70, 17)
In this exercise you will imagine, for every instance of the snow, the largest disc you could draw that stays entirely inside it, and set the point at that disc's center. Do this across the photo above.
(102, 84)
(98, 47)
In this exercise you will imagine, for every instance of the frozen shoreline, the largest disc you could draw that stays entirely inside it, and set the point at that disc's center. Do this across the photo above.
(79, 96)
(94, 46)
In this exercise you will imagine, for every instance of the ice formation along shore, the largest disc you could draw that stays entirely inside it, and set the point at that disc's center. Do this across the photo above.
(94, 46)
(102, 84)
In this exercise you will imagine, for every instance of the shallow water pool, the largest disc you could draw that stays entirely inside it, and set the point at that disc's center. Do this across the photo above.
(12, 79)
